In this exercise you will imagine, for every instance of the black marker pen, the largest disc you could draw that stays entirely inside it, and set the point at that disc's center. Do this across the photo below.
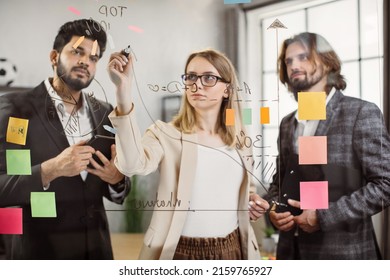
(126, 52)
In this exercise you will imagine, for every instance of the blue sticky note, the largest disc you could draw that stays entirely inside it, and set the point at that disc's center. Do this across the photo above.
(236, 1)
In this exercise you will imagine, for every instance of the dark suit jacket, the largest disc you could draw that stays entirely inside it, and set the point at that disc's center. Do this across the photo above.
(80, 230)
(358, 172)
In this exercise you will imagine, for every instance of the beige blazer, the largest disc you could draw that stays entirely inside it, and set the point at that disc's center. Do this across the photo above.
(174, 153)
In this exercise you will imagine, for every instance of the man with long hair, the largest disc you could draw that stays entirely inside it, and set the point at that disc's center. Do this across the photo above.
(358, 161)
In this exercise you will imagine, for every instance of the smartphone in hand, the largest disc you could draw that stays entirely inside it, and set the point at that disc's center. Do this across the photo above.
(103, 144)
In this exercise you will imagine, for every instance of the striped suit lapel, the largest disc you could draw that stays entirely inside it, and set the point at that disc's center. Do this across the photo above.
(324, 125)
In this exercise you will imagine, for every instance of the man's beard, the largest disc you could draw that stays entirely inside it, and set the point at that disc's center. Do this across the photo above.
(74, 84)
(297, 85)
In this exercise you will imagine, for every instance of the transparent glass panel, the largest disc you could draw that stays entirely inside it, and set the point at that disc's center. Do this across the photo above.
(267, 166)
(337, 22)
(340, 23)
(372, 81)
(350, 71)
(287, 102)
(295, 23)
(371, 26)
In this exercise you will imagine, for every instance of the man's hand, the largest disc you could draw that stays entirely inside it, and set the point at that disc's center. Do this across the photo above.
(70, 162)
(308, 220)
(257, 206)
(108, 171)
(282, 221)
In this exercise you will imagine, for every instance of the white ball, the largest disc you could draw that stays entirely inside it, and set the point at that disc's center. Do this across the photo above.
(8, 72)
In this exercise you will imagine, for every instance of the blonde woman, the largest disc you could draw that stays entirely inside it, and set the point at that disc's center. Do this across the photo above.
(198, 162)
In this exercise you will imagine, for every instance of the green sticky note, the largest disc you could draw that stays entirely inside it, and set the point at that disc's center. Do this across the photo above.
(43, 205)
(247, 116)
(18, 162)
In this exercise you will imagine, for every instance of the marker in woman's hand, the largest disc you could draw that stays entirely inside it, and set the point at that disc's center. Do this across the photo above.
(126, 51)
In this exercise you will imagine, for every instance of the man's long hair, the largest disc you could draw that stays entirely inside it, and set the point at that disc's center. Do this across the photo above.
(317, 47)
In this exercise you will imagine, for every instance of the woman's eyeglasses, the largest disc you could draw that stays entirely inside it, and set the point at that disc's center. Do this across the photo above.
(207, 80)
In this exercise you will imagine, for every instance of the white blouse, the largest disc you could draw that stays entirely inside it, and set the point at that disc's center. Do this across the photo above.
(214, 200)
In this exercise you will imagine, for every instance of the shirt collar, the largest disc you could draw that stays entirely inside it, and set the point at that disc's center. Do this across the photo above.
(54, 95)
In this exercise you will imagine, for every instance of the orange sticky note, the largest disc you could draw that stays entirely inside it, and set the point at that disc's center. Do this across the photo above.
(229, 117)
(264, 115)
(17, 131)
(314, 195)
(94, 47)
(11, 221)
(312, 150)
(311, 105)
(78, 42)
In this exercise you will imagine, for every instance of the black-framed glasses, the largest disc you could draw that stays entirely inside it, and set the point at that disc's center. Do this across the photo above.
(207, 80)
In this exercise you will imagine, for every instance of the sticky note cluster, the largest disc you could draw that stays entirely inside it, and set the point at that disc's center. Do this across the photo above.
(313, 150)
(247, 116)
(18, 160)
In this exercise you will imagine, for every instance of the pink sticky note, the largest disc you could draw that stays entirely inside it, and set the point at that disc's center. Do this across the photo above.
(314, 195)
(135, 29)
(312, 150)
(11, 221)
(74, 10)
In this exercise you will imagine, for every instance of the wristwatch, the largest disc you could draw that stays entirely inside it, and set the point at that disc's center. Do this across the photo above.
(120, 186)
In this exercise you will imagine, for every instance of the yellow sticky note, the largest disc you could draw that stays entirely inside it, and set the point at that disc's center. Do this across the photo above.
(229, 116)
(311, 105)
(94, 47)
(17, 131)
(264, 115)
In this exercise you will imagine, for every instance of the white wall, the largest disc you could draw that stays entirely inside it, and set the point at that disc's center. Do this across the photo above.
(171, 30)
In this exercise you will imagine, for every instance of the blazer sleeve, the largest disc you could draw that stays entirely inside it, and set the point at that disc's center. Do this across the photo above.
(14, 189)
(371, 145)
(136, 154)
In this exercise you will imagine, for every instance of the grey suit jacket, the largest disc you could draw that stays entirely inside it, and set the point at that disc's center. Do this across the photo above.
(358, 172)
